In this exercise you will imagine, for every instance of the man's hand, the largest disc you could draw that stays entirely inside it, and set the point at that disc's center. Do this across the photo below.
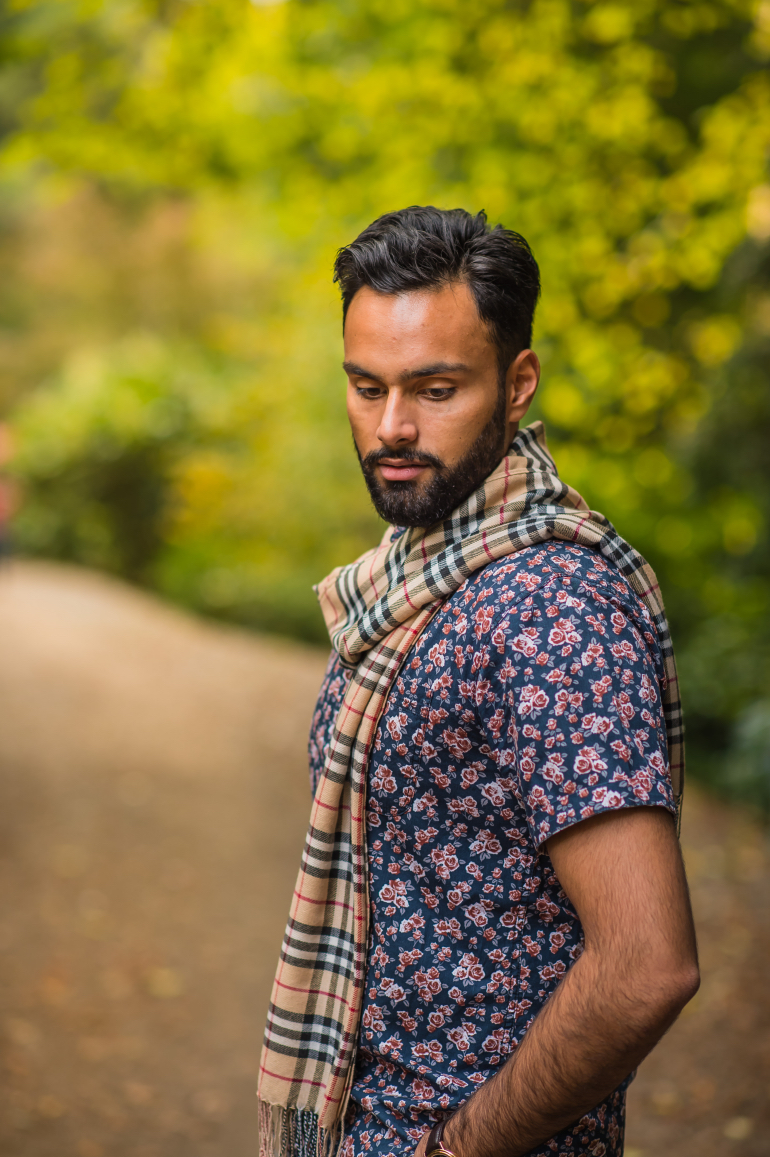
(623, 873)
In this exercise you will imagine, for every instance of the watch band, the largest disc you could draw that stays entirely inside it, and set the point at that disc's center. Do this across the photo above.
(434, 1146)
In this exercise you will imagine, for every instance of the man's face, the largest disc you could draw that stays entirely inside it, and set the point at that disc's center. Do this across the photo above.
(429, 414)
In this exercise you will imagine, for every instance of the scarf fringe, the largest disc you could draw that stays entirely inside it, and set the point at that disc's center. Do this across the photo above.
(295, 1133)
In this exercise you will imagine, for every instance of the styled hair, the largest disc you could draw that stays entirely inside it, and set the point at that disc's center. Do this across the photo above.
(425, 248)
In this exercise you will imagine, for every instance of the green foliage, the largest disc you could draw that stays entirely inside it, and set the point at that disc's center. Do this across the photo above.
(748, 768)
(97, 449)
(627, 140)
(159, 463)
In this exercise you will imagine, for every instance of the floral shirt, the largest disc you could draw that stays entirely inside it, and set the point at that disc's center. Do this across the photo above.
(530, 702)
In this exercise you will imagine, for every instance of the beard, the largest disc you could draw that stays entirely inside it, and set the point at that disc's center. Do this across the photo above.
(408, 504)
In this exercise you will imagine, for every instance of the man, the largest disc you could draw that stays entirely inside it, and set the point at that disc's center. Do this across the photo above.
(491, 927)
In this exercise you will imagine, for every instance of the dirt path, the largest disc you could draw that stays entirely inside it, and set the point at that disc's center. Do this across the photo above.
(153, 799)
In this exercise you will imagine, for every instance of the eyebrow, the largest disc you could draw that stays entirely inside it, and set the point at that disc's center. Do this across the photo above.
(431, 371)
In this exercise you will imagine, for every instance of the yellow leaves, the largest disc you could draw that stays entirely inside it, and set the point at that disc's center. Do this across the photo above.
(623, 118)
(291, 125)
(696, 16)
(539, 123)
(653, 468)
(608, 23)
(255, 95)
(760, 40)
(715, 339)
(563, 404)
(202, 487)
(651, 309)
(740, 533)
(741, 524)
(674, 535)
(758, 213)
(501, 39)
(341, 143)
(616, 432)
(556, 313)
(601, 298)
(735, 136)
(651, 380)
(733, 523)
(760, 314)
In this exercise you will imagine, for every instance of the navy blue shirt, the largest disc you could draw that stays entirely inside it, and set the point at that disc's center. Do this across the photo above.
(531, 702)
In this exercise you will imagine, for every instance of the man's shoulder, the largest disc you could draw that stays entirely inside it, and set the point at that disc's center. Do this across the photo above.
(546, 579)
(541, 567)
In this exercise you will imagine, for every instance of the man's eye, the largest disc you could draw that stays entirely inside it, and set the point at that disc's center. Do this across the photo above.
(438, 393)
(368, 391)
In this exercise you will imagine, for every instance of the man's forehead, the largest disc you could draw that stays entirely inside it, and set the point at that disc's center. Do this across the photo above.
(425, 319)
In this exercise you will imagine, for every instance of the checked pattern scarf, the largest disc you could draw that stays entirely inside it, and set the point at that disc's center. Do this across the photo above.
(375, 609)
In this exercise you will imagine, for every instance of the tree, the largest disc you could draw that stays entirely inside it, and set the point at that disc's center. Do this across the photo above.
(627, 141)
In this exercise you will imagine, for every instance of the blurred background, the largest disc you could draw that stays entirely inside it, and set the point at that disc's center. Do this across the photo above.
(175, 178)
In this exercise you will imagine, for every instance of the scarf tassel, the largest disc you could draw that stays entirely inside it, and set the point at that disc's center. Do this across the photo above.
(294, 1133)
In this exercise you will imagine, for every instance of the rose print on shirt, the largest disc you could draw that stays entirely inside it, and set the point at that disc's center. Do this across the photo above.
(532, 703)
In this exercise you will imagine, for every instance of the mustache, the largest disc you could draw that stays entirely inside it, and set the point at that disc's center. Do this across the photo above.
(374, 457)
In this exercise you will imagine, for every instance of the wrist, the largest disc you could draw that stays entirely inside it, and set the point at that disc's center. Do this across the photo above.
(437, 1144)
(453, 1136)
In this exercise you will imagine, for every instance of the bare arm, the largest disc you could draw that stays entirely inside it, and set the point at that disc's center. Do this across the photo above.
(624, 875)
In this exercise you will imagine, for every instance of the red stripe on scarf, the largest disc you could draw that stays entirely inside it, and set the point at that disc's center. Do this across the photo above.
(577, 528)
(291, 1080)
(313, 991)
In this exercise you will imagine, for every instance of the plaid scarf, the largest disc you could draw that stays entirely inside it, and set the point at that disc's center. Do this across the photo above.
(375, 609)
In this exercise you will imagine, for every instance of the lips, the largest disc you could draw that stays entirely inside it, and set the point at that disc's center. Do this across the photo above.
(401, 473)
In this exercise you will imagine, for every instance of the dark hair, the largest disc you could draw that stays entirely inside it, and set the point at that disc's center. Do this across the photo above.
(423, 247)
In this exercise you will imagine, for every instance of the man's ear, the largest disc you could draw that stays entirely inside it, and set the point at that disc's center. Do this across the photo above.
(521, 382)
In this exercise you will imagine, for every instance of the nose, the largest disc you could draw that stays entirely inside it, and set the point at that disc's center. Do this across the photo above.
(397, 426)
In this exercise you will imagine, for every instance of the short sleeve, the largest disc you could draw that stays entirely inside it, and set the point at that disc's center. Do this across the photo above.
(579, 671)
